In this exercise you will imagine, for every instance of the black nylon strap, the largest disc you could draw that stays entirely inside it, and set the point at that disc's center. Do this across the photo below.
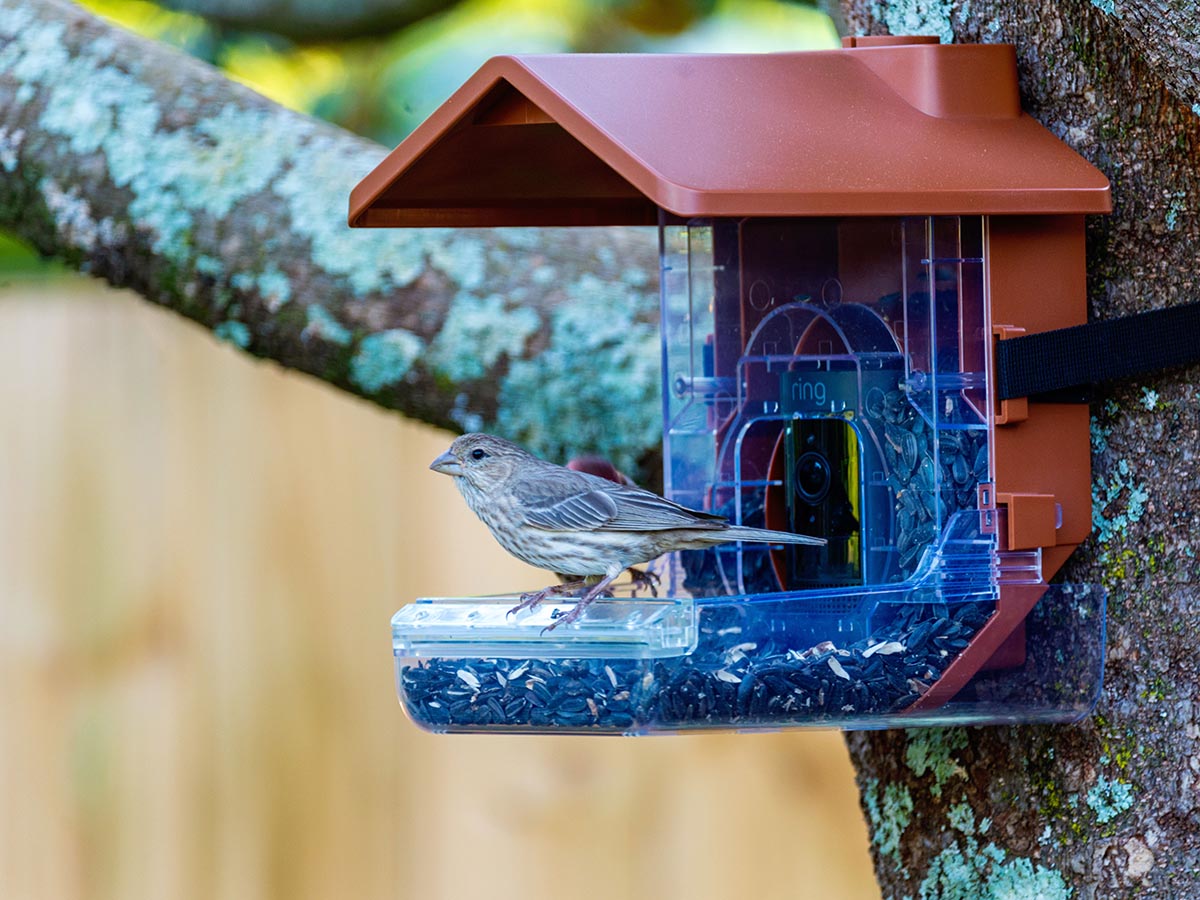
(1054, 365)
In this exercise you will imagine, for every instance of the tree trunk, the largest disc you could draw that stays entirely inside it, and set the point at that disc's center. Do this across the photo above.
(150, 169)
(1111, 807)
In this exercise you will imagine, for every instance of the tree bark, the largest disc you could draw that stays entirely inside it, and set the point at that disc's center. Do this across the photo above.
(1111, 807)
(151, 170)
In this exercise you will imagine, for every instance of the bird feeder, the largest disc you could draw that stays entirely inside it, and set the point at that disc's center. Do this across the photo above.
(846, 239)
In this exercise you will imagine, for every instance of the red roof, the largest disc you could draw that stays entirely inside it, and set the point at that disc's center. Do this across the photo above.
(609, 139)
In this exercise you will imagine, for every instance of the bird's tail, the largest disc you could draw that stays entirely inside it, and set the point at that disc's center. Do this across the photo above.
(766, 536)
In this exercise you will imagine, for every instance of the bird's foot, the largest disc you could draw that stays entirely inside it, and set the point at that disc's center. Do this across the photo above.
(589, 584)
(594, 591)
(571, 615)
(533, 599)
(644, 580)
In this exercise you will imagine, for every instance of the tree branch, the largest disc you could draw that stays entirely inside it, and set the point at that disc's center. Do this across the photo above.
(150, 169)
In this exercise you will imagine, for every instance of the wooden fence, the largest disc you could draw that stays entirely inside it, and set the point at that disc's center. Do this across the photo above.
(199, 555)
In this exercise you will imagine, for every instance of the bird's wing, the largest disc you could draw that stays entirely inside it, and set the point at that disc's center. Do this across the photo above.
(582, 512)
(562, 500)
(639, 510)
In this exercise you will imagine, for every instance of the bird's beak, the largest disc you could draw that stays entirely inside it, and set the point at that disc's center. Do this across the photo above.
(446, 464)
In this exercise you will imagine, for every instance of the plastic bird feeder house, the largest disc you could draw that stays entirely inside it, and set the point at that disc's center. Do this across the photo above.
(845, 237)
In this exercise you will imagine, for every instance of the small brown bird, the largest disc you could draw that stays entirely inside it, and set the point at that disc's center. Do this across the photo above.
(567, 521)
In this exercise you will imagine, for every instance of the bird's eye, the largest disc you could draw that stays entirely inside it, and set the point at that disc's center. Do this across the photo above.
(478, 454)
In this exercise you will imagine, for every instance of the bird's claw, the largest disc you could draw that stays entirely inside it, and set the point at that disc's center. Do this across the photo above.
(644, 579)
(566, 618)
(533, 599)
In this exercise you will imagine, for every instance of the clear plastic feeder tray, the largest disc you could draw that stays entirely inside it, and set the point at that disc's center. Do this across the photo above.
(914, 654)
(746, 672)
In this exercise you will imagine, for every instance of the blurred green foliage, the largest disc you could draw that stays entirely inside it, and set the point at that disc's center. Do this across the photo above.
(384, 85)
(19, 260)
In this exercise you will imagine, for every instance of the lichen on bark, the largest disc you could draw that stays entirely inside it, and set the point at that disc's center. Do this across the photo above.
(1109, 807)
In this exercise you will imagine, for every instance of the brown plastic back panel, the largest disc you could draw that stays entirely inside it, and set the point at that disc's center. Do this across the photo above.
(1037, 281)
(583, 139)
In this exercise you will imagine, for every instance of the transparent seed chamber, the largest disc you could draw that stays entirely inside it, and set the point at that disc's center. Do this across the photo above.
(823, 376)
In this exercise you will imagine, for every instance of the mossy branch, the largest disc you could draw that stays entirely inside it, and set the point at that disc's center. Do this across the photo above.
(151, 170)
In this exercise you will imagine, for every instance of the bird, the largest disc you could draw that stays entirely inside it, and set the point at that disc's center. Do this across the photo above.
(563, 520)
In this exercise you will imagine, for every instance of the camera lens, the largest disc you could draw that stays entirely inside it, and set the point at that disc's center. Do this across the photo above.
(813, 477)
